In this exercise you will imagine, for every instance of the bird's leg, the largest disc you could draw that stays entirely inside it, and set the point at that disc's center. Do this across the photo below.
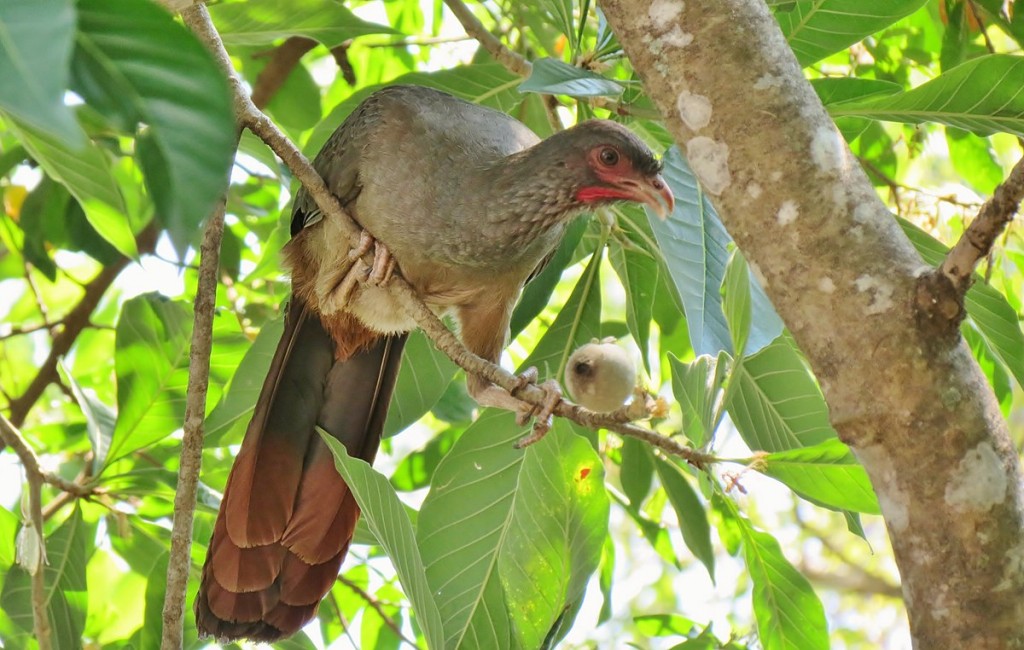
(383, 265)
(342, 284)
(487, 394)
(542, 419)
(484, 331)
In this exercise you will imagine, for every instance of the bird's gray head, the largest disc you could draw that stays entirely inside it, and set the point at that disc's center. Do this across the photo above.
(612, 164)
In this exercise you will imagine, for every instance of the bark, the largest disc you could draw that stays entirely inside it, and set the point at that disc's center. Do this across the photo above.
(911, 401)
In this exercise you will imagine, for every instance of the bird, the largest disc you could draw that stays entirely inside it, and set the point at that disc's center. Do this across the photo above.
(468, 202)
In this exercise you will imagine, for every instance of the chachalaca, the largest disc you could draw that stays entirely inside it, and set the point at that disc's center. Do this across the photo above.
(469, 202)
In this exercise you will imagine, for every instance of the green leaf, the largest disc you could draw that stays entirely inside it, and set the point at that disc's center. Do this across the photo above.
(639, 272)
(99, 418)
(635, 471)
(836, 90)
(537, 293)
(135, 63)
(696, 386)
(8, 530)
(261, 22)
(510, 537)
(817, 28)
(557, 527)
(239, 398)
(737, 299)
(66, 594)
(663, 625)
(89, 176)
(984, 96)
(36, 37)
(827, 473)
(385, 515)
(788, 612)
(424, 375)
(973, 160)
(694, 243)
(578, 322)
(487, 84)
(554, 77)
(774, 401)
(151, 361)
(417, 469)
(693, 518)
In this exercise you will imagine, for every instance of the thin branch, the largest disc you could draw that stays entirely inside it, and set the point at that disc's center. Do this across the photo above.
(377, 607)
(40, 614)
(512, 61)
(179, 562)
(340, 54)
(976, 242)
(36, 477)
(447, 342)
(74, 322)
(10, 331)
(283, 60)
(261, 126)
(420, 42)
(13, 438)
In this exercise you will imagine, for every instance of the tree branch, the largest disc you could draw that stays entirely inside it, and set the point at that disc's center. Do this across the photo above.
(36, 477)
(253, 119)
(179, 562)
(512, 61)
(74, 322)
(283, 60)
(377, 607)
(976, 242)
(915, 408)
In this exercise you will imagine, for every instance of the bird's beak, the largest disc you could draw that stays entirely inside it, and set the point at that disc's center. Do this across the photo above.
(653, 192)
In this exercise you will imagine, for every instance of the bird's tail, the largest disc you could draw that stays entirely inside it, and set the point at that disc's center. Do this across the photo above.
(287, 517)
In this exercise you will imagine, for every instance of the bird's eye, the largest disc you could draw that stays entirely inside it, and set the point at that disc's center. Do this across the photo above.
(609, 156)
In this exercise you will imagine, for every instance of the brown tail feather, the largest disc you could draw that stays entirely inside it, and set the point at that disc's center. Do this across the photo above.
(287, 517)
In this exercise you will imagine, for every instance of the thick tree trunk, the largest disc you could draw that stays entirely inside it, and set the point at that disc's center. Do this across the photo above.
(907, 396)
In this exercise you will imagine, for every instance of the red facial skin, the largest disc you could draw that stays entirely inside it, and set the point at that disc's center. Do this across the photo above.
(621, 182)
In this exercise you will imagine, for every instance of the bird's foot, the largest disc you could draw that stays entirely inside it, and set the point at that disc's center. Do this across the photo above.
(542, 415)
(383, 263)
(383, 266)
(343, 285)
(487, 394)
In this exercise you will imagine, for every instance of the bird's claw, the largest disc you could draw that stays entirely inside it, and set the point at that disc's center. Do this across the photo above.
(526, 378)
(383, 263)
(378, 274)
(542, 414)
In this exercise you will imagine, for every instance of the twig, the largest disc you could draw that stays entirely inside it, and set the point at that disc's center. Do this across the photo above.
(36, 477)
(74, 322)
(40, 303)
(992, 219)
(445, 341)
(283, 60)
(377, 607)
(514, 62)
(40, 615)
(10, 331)
(340, 54)
(179, 562)
(12, 438)
(420, 42)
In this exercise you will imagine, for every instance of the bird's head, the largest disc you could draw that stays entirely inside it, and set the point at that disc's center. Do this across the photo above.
(612, 164)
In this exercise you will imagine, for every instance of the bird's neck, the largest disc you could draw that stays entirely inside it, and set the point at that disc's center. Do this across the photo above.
(533, 186)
